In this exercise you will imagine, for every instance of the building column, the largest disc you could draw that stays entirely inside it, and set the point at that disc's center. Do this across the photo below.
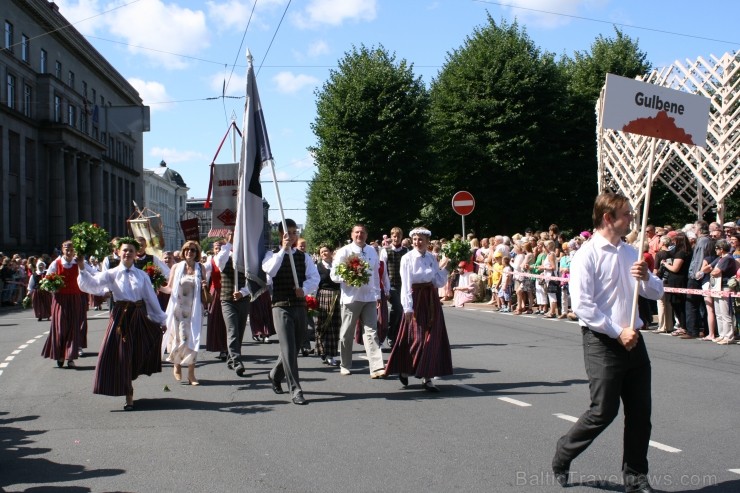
(72, 196)
(96, 191)
(57, 196)
(83, 188)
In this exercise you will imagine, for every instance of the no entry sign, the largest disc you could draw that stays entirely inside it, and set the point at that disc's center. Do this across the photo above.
(463, 203)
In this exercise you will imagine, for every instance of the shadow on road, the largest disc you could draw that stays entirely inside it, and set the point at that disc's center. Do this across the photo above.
(19, 466)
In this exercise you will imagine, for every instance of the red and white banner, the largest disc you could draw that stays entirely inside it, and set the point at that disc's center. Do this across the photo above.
(225, 188)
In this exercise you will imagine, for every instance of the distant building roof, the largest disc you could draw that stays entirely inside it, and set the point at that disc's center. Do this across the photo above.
(169, 174)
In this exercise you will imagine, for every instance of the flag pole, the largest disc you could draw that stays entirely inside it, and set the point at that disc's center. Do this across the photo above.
(282, 219)
(641, 241)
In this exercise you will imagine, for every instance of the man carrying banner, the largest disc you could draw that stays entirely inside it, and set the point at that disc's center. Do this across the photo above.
(602, 276)
(289, 310)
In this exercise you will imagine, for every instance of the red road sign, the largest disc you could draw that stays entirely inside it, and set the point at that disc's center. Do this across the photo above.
(463, 203)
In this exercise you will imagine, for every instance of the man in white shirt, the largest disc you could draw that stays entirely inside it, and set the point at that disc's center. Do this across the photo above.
(359, 303)
(602, 281)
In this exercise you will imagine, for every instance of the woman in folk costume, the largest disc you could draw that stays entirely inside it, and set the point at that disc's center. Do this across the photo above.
(329, 319)
(68, 332)
(215, 326)
(185, 312)
(131, 345)
(40, 299)
(422, 348)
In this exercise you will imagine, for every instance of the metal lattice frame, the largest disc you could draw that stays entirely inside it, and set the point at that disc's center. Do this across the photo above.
(700, 177)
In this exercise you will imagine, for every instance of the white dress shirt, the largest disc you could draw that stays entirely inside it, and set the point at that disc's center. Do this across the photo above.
(602, 288)
(417, 268)
(52, 267)
(126, 285)
(370, 291)
(222, 257)
(272, 262)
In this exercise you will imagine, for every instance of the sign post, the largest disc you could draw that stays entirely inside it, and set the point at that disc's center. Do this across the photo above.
(463, 203)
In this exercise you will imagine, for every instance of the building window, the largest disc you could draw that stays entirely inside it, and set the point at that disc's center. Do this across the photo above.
(14, 153)
(30, 218)
(15, 216)
(11, 91)
(71, 115)
(8, 36)
(71, 79)
(57, 109)
(42, 61)
(30, 161)
(25, 46)
(58, 69)
(27, 100)
(84, 89)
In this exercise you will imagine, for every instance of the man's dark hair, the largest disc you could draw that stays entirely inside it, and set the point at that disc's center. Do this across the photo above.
(702, 227)
(289, 223)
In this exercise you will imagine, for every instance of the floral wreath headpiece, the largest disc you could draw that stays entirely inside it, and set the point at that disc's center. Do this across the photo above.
(420, 231)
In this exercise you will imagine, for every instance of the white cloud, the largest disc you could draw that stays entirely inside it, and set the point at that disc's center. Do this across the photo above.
(167, 27)
(289, 83)
(539, 15)
(335, 12)
(234, 14)
(152, 93)
(318, 48)
(172, 156)
(81, 14)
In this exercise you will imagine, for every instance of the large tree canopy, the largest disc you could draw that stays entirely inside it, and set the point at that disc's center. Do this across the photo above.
(372, 147)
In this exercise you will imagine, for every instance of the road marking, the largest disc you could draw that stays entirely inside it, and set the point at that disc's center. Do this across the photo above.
(736, 471)
(3, 365)
(469, 387)
(31, 341)
(572, 419)
(23, 346)
(17, 351)
(665, 448)
(658, 445)
(10, 358)
(515, 402)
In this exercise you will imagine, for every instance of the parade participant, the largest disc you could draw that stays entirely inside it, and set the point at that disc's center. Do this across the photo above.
(289, 310)
(131, 345)
(422, 348)
(143, 258)
(68, 332)
(359, 303)
(184, 312)
(216, 327)
(234, 305)
(602, 281)
(40, 299)
(329, 320)
(392, 255)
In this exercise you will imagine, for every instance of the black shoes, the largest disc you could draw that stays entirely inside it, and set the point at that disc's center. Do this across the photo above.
(71, 364)
(429, 387)
(637, 483)
(561, 475)
(404, 380)
(299, 399)
(276, 387)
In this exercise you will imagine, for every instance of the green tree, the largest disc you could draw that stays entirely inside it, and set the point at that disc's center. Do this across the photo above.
(371, 149)
(494, 120)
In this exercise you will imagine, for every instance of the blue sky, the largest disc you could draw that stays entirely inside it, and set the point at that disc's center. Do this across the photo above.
(179, 54)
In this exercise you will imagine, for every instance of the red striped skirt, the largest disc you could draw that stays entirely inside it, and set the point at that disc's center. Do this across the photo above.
(41, 303)
(422, 347)
(216, 327)
(68, 331)
(260, 316)
(131, 347)
(328, 322)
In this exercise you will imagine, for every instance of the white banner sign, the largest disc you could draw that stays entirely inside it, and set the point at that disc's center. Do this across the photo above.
(646, 109)
(225, 188)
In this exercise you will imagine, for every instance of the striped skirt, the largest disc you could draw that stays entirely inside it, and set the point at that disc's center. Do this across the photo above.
(260, 316)
(216, 327)
(328, 322)
(422, 347)
(131, 347)
(382, 321)
(41, 303)
(68, 331)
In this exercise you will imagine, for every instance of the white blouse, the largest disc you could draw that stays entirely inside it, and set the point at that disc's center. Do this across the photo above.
(418, 268)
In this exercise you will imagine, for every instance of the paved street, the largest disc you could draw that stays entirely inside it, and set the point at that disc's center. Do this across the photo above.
(518, 384)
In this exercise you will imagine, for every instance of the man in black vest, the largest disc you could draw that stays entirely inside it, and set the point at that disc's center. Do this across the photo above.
(391, 255)
(289, 310)
(143, 258)
(234, 305)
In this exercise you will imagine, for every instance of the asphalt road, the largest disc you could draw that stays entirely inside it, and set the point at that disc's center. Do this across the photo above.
(518, 384)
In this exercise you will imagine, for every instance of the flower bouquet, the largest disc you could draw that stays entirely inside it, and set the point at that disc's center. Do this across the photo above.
(26, 303)
(52, 282)
(155, 275)
(354, 271)
(90, 239)
(456, 250)
(313, 306)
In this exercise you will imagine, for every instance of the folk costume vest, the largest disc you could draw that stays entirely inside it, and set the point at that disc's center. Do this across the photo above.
(283, 287)
(227, 282)
(70, 278)
(394, 265)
